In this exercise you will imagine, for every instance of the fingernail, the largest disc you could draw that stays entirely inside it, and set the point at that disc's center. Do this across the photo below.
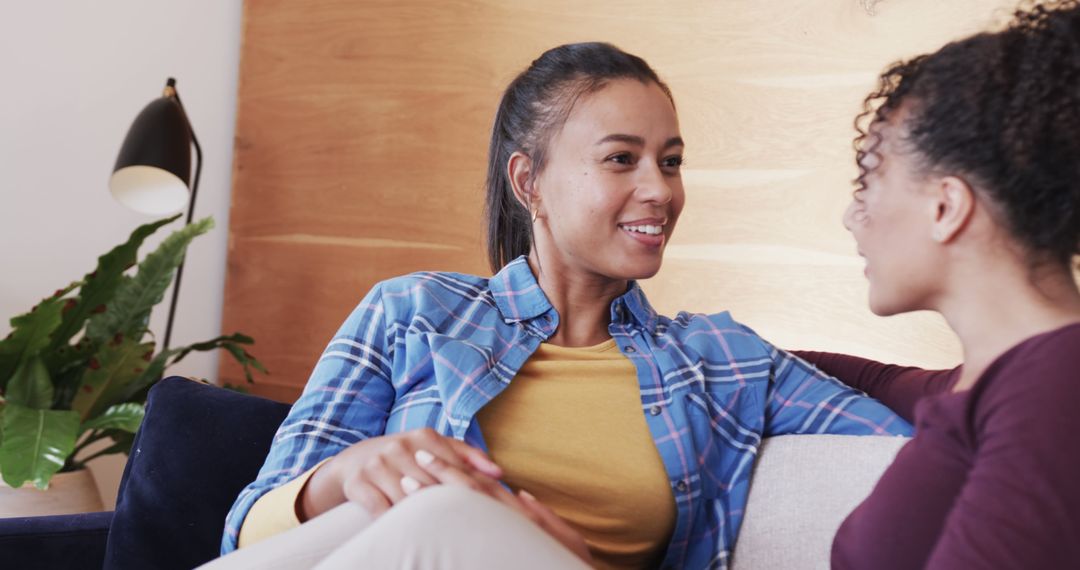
(409, 485)
(490, 465)
(527, 495)
(423, 457)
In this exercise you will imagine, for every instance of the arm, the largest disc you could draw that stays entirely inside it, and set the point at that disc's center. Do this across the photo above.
(898, 387)
(803, 400)
(275, 512)
(346, 400)
(340, 421)
(1020, 504)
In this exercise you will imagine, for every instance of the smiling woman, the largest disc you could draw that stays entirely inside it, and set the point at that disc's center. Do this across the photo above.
(604, 194)
(551, 392)
(628, 185)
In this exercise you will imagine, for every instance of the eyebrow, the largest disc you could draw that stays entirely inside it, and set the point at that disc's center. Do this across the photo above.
(638, 141)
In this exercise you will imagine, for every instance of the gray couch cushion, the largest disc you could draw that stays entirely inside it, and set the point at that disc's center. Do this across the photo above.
(802, 489)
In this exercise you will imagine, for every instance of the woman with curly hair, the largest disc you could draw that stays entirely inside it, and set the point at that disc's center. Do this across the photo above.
(968, 204)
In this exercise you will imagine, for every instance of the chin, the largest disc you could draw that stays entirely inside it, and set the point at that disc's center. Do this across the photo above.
(885, 306)
(882, 311)
(651, 268)
(639, 271)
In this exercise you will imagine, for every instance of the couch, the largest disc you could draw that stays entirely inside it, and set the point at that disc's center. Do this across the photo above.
(200, 445)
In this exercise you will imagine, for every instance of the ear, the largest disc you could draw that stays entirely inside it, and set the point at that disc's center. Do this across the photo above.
(519, 172)
(954, 206)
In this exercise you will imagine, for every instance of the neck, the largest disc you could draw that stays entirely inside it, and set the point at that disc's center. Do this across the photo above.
(583, 302)
(1000, 305)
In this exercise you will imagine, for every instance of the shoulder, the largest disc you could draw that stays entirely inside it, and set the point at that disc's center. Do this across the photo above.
(425, 287)
(712, 331)
(720, 322)
(1046, 362)
(423, 300)
(1035, 381)
(1056, 348)
(434, 283)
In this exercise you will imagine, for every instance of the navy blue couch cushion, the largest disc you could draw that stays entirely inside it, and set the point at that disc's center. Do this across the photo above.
(62, 541)
(197, 448)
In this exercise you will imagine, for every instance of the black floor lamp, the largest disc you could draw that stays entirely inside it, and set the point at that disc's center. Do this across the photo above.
(153, 169)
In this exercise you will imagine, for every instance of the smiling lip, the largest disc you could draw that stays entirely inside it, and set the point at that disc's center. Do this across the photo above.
(645, 222)
(648, 240)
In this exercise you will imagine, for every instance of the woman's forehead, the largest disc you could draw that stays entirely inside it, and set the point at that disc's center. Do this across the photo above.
(625, 106)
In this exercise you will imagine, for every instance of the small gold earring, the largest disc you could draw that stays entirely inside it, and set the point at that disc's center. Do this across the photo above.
(534, 216)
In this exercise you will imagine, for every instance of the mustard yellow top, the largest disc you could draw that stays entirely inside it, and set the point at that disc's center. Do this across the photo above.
(570, 430)
(274, 512)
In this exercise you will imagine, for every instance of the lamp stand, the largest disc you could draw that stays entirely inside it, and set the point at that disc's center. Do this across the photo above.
(170, 91)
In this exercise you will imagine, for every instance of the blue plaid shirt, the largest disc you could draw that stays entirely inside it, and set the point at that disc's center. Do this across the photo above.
(431, 349)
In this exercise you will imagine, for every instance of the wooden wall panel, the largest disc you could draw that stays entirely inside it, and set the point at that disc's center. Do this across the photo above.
(363, 127)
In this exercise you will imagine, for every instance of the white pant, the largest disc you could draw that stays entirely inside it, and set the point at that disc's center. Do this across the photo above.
(440, 527)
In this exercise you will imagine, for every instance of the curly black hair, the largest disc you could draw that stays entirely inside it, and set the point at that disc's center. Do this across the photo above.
(1001, 110)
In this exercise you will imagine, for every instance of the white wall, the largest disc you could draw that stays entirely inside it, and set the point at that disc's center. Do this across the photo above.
(73, 75)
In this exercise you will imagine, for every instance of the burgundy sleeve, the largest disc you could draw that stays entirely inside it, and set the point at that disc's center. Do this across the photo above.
(898, 387)
(1020, 505)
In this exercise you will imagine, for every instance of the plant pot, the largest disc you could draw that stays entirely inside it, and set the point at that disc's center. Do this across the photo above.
(68, 493)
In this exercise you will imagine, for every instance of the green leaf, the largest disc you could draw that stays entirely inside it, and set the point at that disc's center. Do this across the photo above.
(152, 374)
(99, 286)
(230, 343)
(31, 386)
(135, 298)
(66, 378)
(123, 417)
(114, 367)
(36, 444)
(29, 335)
(245, 359)
(169, 357)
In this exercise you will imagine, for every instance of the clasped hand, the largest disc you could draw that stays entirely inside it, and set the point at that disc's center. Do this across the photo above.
(380, 472)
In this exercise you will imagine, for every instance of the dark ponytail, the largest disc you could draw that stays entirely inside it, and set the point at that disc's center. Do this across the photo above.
(533, 107)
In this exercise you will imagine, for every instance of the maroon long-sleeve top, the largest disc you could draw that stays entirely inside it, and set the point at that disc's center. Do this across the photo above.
(991, 478)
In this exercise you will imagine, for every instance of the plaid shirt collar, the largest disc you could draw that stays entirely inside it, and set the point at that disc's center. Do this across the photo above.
(519, 299)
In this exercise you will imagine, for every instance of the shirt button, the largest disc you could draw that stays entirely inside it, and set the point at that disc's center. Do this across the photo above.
(655, 410)
(681, 486)
(631, 349)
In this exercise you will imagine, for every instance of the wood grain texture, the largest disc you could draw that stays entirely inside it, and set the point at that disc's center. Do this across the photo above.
(363, 128)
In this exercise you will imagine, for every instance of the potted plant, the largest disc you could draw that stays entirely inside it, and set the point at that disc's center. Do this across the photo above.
(76, 369)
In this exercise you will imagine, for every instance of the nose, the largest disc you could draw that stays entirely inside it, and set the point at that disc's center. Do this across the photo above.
(653, 186)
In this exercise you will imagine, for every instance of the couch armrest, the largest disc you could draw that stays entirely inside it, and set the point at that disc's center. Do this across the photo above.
(62, 541)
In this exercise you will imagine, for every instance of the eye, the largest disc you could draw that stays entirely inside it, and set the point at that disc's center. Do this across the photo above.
(672, 162)
(621, 158)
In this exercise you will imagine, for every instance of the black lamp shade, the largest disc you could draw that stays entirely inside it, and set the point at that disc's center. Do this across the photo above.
(154, 166)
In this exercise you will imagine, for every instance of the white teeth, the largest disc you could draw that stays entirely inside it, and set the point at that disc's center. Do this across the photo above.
(650, 230)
